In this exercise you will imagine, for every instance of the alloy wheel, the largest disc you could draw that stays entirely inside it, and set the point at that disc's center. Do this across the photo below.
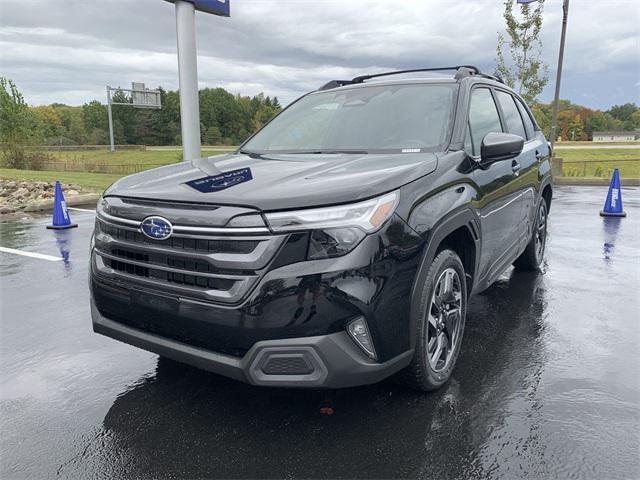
(444, 318)
(541, 231)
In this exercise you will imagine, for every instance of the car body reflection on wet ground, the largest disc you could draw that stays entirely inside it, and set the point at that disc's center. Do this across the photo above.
(547, 384)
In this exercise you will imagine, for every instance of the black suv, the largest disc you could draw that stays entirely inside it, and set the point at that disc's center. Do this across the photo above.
(339, 244)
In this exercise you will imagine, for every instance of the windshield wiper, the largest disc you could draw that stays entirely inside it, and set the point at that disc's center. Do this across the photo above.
(251, 154)
(328, 152)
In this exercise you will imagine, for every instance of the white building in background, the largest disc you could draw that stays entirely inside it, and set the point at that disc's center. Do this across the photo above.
(616, 136)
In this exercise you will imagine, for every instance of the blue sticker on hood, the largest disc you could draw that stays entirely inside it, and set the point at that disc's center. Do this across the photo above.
(222, 181)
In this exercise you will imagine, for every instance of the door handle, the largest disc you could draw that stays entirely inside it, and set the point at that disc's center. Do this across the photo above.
(515, 166)
(538, 155)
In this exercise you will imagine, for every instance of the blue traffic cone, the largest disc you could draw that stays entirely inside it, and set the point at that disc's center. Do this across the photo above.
(613, 203)
(61, 218)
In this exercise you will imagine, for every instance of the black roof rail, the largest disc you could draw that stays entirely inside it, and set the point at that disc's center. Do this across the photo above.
(462, 71)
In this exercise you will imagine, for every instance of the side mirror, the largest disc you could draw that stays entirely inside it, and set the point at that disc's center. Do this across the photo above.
(500, 146)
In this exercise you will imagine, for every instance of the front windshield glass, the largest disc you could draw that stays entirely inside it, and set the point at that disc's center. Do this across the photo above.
(385, 118)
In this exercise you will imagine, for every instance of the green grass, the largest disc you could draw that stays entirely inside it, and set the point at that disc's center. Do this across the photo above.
(140, 157)
(598, 154)
(590, 162)
(97, 182)
(600, 162)
(600, 169)
(102, 161)
(590, 143)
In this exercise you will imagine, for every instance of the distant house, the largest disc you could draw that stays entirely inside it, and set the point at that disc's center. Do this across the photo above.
(616, 136)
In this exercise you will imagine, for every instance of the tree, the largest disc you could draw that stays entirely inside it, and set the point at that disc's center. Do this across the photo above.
(625, 113)
(73, 124)
(124, 119)
(601, 122)
(524, 71)
(48, 121)
(96, 124)
(542, 114)
(212, 136)
(18, 127)
(166, 121)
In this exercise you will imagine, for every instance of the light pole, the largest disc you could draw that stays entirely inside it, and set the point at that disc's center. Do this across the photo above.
(556, 98)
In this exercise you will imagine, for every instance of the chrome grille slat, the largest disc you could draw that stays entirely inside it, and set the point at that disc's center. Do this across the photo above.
(233, 295)
(163, 268)
(186, 231)
(254, 260)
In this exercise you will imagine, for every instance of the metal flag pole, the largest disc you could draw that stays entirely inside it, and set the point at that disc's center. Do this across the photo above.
(556, 98)
(188, 68)
(188, 75)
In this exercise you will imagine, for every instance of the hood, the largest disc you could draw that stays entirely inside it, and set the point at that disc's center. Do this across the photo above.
(275, 182)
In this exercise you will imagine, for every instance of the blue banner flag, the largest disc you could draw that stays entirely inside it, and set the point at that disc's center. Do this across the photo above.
(215, 7)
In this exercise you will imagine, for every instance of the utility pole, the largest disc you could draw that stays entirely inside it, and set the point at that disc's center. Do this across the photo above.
(556, 98)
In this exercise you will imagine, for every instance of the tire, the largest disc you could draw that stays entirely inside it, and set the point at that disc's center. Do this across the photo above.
(531, 258)
(441, 319)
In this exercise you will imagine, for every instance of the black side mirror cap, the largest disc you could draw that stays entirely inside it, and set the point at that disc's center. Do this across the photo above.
(500, 146)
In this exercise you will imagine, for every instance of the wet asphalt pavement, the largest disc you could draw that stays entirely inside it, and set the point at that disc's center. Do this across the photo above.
(547, 384)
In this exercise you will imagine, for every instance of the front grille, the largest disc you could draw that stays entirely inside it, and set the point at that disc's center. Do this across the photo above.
(188, 278)
(123, 266)
(194, 244)
(192, 263)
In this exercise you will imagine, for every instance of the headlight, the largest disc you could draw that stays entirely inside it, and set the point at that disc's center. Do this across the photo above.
(333, 242)
(367, 216)
(336, 231)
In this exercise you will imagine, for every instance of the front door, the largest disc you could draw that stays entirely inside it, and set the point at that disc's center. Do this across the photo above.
(499, 199)
(526, 163)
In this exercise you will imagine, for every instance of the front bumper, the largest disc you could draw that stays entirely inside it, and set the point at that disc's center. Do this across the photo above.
(327, 361)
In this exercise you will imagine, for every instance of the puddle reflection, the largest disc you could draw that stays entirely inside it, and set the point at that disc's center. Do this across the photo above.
(610, 227)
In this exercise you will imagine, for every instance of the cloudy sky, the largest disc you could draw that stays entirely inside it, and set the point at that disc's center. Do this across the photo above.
(68, 50)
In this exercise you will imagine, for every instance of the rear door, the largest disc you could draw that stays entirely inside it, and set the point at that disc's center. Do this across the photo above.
(531, 170)
(499, 200)
(524, 165)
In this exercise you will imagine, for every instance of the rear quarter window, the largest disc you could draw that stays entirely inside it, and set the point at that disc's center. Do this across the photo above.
(528, 123)
(511, 114)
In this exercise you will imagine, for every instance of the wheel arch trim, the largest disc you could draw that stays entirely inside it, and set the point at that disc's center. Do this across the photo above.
(461, 218)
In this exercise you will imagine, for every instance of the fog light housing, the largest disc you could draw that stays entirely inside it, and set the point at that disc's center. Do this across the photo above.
(360, 333)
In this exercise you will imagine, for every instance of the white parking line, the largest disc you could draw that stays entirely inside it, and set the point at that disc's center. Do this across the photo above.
(41, 256)
(81, 209)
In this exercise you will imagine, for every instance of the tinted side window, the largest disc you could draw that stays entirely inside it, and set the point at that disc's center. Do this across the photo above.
(528, 123)
(483, 119)
(511, 114)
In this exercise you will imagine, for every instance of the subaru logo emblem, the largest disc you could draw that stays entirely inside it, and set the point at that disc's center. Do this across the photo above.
(157, 228)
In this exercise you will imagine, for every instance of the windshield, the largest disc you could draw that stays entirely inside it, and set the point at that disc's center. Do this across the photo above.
(385, 118)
